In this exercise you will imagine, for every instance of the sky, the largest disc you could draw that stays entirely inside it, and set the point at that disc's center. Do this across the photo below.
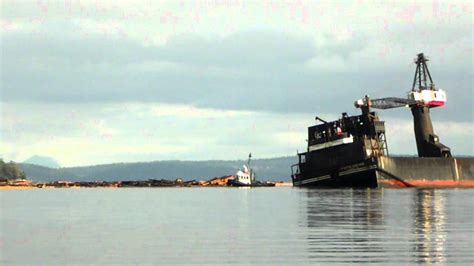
(94, 82)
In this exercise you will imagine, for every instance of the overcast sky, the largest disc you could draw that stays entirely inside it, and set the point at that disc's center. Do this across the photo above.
(92, 82)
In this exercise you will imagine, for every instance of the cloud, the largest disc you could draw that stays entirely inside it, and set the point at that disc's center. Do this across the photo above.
(251, 70)
(104, 131)
(186, 111)
(219, 79)
(79, 134)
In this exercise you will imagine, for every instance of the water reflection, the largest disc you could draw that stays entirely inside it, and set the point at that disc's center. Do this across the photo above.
(375, 225)
(429, 226)
(343, 224)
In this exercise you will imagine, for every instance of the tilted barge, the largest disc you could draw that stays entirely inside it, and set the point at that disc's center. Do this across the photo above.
(352, 151)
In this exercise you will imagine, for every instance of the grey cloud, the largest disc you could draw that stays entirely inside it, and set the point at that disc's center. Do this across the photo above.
(258, 70)
(76, 48)
(437, 32)
(248, 49)
(346, 48)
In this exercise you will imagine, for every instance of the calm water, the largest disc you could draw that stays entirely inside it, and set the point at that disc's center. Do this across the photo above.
(229, 225)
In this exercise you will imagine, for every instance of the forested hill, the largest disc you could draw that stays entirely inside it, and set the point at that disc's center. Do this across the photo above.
(10, 171)
(274, 169)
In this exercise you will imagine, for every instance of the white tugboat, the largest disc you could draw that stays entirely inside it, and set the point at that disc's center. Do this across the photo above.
(246, 177)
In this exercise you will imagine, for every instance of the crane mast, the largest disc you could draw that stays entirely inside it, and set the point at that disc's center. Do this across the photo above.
(421, 73)
(427, 142)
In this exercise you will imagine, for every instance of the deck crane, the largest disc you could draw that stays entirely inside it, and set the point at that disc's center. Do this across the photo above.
(423, 96)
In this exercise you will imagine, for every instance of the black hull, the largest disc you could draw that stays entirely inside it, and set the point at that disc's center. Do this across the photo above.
(357, 180)
(359, 174)
(392, 172)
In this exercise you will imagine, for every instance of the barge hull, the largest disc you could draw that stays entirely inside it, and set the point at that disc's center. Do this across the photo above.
(425, 172)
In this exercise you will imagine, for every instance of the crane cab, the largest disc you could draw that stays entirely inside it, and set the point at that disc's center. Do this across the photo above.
(432, 98)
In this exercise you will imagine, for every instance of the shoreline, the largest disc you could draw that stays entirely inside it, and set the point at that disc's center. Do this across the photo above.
(151, 183)
(285, 184)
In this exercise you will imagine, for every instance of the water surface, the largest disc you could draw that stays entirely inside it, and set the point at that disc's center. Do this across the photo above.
(236, 226)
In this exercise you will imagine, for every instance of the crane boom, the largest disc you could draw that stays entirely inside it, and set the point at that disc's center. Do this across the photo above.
(385, 103)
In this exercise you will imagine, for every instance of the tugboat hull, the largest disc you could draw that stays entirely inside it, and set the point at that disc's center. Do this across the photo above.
(256, 184)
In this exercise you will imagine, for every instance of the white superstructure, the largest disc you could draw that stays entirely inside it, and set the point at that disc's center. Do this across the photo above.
(328, 144)
(245, 176)
(429, 97)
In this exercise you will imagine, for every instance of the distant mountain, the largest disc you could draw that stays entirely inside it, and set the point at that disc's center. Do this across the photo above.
(274, 169)
(42, 161)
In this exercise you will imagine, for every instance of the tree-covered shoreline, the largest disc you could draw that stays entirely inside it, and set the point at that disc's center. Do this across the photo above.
(11, 171)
